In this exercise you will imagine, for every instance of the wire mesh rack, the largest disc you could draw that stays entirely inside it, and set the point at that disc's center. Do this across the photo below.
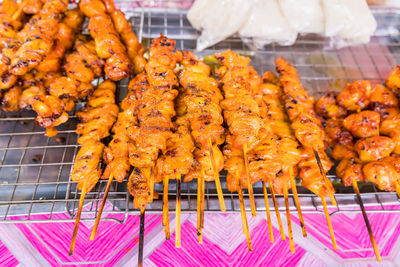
(34, 169)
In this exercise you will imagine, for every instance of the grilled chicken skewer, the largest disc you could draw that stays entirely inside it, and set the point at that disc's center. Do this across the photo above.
(288, 151)
(135, 50)
(35, 41)
(198, 109)
(309, 132)
(97, 119)
(251, 149)
(371, 149)
(154, 129)
(350, 167)
(108, 42)
(116, 153)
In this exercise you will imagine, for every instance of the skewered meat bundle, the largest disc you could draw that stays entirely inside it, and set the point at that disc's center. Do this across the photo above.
(199, 118)
(135, 50)
(198, 108)
(155, 110)
(374, 117)
(99, 115)
(97, 119)
(37, 37)
(116, 154)
(309, 132)
(11, 17)
(248, 133)
(287, 145)
(108, 44)
(307, 129)
(70, 25)
(287, 149)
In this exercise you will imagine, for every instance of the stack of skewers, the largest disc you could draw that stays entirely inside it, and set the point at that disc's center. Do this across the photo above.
(182, 119)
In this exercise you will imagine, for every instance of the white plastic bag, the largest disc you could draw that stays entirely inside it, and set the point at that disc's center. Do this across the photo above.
(305, 16)
(350, 20)
(218, 19)
(267, 24)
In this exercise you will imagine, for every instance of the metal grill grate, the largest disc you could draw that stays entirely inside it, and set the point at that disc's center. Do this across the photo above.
(34, 170)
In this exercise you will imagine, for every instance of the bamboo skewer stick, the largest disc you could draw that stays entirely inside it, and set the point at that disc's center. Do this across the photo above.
(328, 220)
(249, 185)
(200, 205)
(141, 237)
(297, 202)
(397, 188)
(216, 177)
(364, 213)
(278, 216)
(328, 183)
(270, 230)
(199, 232)
(103, 202)
(151, 184)
(178, 212)
(245, 225)
(289, 222)
(202, 198)
(165, 207)
(78, 218)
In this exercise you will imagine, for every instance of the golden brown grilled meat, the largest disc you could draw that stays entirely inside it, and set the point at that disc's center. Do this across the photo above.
(382, 173)
(32, 86)
(86, 165)
(374, 148)
(310, 173)
(393, 81)
(363, 124)
(47, 106)
(83, 64)
(281, 160)
(327, 107)
(50, 112)
(336, 133)
(108, 44)
(10, 99)
(64, 40)
(241, 111)
(248, 118)
(348, 169)
(307, 128)
(135, 50)
(155, 108)
(92, 8)
(378, 130)
(97, 119)
(341, 151)
(178, 158)
(382, 97)
(37, 37)
(355, 96)
(198, 110)
(116, 154)
(99, 115)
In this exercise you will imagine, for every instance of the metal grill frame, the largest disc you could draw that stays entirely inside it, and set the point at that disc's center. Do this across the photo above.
(43, 186)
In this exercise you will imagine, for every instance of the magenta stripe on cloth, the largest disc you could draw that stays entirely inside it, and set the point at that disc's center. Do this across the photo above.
(224, 243)
(6, 257)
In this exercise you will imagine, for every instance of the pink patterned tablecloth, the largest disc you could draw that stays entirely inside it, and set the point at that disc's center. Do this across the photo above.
(47, 244)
